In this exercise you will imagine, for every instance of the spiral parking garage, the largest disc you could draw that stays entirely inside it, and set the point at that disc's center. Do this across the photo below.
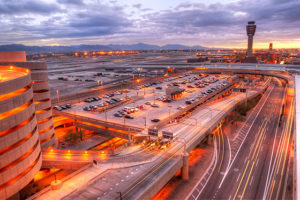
(20, 155)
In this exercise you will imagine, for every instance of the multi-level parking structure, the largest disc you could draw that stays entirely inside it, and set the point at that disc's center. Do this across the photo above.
(20, 153)
(42, 101)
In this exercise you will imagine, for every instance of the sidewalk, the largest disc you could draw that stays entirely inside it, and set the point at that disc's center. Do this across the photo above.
(80, 180)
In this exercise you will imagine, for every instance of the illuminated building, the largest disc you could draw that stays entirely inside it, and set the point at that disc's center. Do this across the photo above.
(41, 93)
(271, 46)
(251, 27)
(20, 153)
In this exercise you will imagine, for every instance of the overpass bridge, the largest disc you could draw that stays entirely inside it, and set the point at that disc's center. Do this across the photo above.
(176, 163)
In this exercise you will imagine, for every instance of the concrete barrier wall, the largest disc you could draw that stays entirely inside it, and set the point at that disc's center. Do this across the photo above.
(41, 97)
(20, 155)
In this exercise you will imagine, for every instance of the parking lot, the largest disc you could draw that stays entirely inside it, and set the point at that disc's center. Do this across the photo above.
(151, 105)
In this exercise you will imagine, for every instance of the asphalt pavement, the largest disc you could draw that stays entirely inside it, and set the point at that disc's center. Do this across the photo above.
(246, 172)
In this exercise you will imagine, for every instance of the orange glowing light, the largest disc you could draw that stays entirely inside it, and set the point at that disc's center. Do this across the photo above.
(85, 53)
(76, 53)
(85, 152)
(11, 67)
(138, 80)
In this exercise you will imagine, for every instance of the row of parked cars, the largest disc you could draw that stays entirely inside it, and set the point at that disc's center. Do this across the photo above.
(126, 111)
(105, 103)
(92, 99)
(205, 93)
(63, 107)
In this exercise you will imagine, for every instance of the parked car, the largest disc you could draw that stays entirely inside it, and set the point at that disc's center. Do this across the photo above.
(58, 108)
(155, 120)
(63, 107)
(88, 100)
(118, 115)
(148, 103)
(155, 105)
(188, 102)
(68, 105)
(128, 116)
(86, 109)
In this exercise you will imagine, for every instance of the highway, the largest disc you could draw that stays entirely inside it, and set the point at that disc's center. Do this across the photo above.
(132, 180)
(256, 167)
(189, 131)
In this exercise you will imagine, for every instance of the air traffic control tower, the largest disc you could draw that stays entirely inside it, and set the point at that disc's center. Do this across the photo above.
(251, 28)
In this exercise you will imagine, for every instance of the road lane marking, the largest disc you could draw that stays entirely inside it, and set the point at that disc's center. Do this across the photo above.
(251, 180)
(287, 130)
(238, 177)
(253, 152)
(265, 100)
(257, 163)
(241, 180)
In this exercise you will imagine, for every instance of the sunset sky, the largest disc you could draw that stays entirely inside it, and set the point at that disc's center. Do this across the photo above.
(213, 23)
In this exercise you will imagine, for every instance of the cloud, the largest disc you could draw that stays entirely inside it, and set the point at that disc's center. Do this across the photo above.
(71, 2)
(138, 6)
(14, 7)
(187, 23)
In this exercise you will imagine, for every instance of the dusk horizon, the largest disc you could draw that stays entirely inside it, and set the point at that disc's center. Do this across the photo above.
(218, 24)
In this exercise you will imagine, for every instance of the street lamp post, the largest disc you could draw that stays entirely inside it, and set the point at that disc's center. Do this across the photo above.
(195, 120)
(105, 112)
(183, 140)
(246, 98)
(145, 122)
(210, 110)
(120, 195)
(57, 92)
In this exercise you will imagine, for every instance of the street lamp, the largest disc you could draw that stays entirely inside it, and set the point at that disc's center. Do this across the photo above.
(210, 110)
(120, 195)
(182, 140)
(105, 114)
(57, 92)
(145, 122)
(195, 120)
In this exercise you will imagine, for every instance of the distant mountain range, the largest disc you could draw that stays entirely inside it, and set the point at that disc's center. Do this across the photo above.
(83, 47)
